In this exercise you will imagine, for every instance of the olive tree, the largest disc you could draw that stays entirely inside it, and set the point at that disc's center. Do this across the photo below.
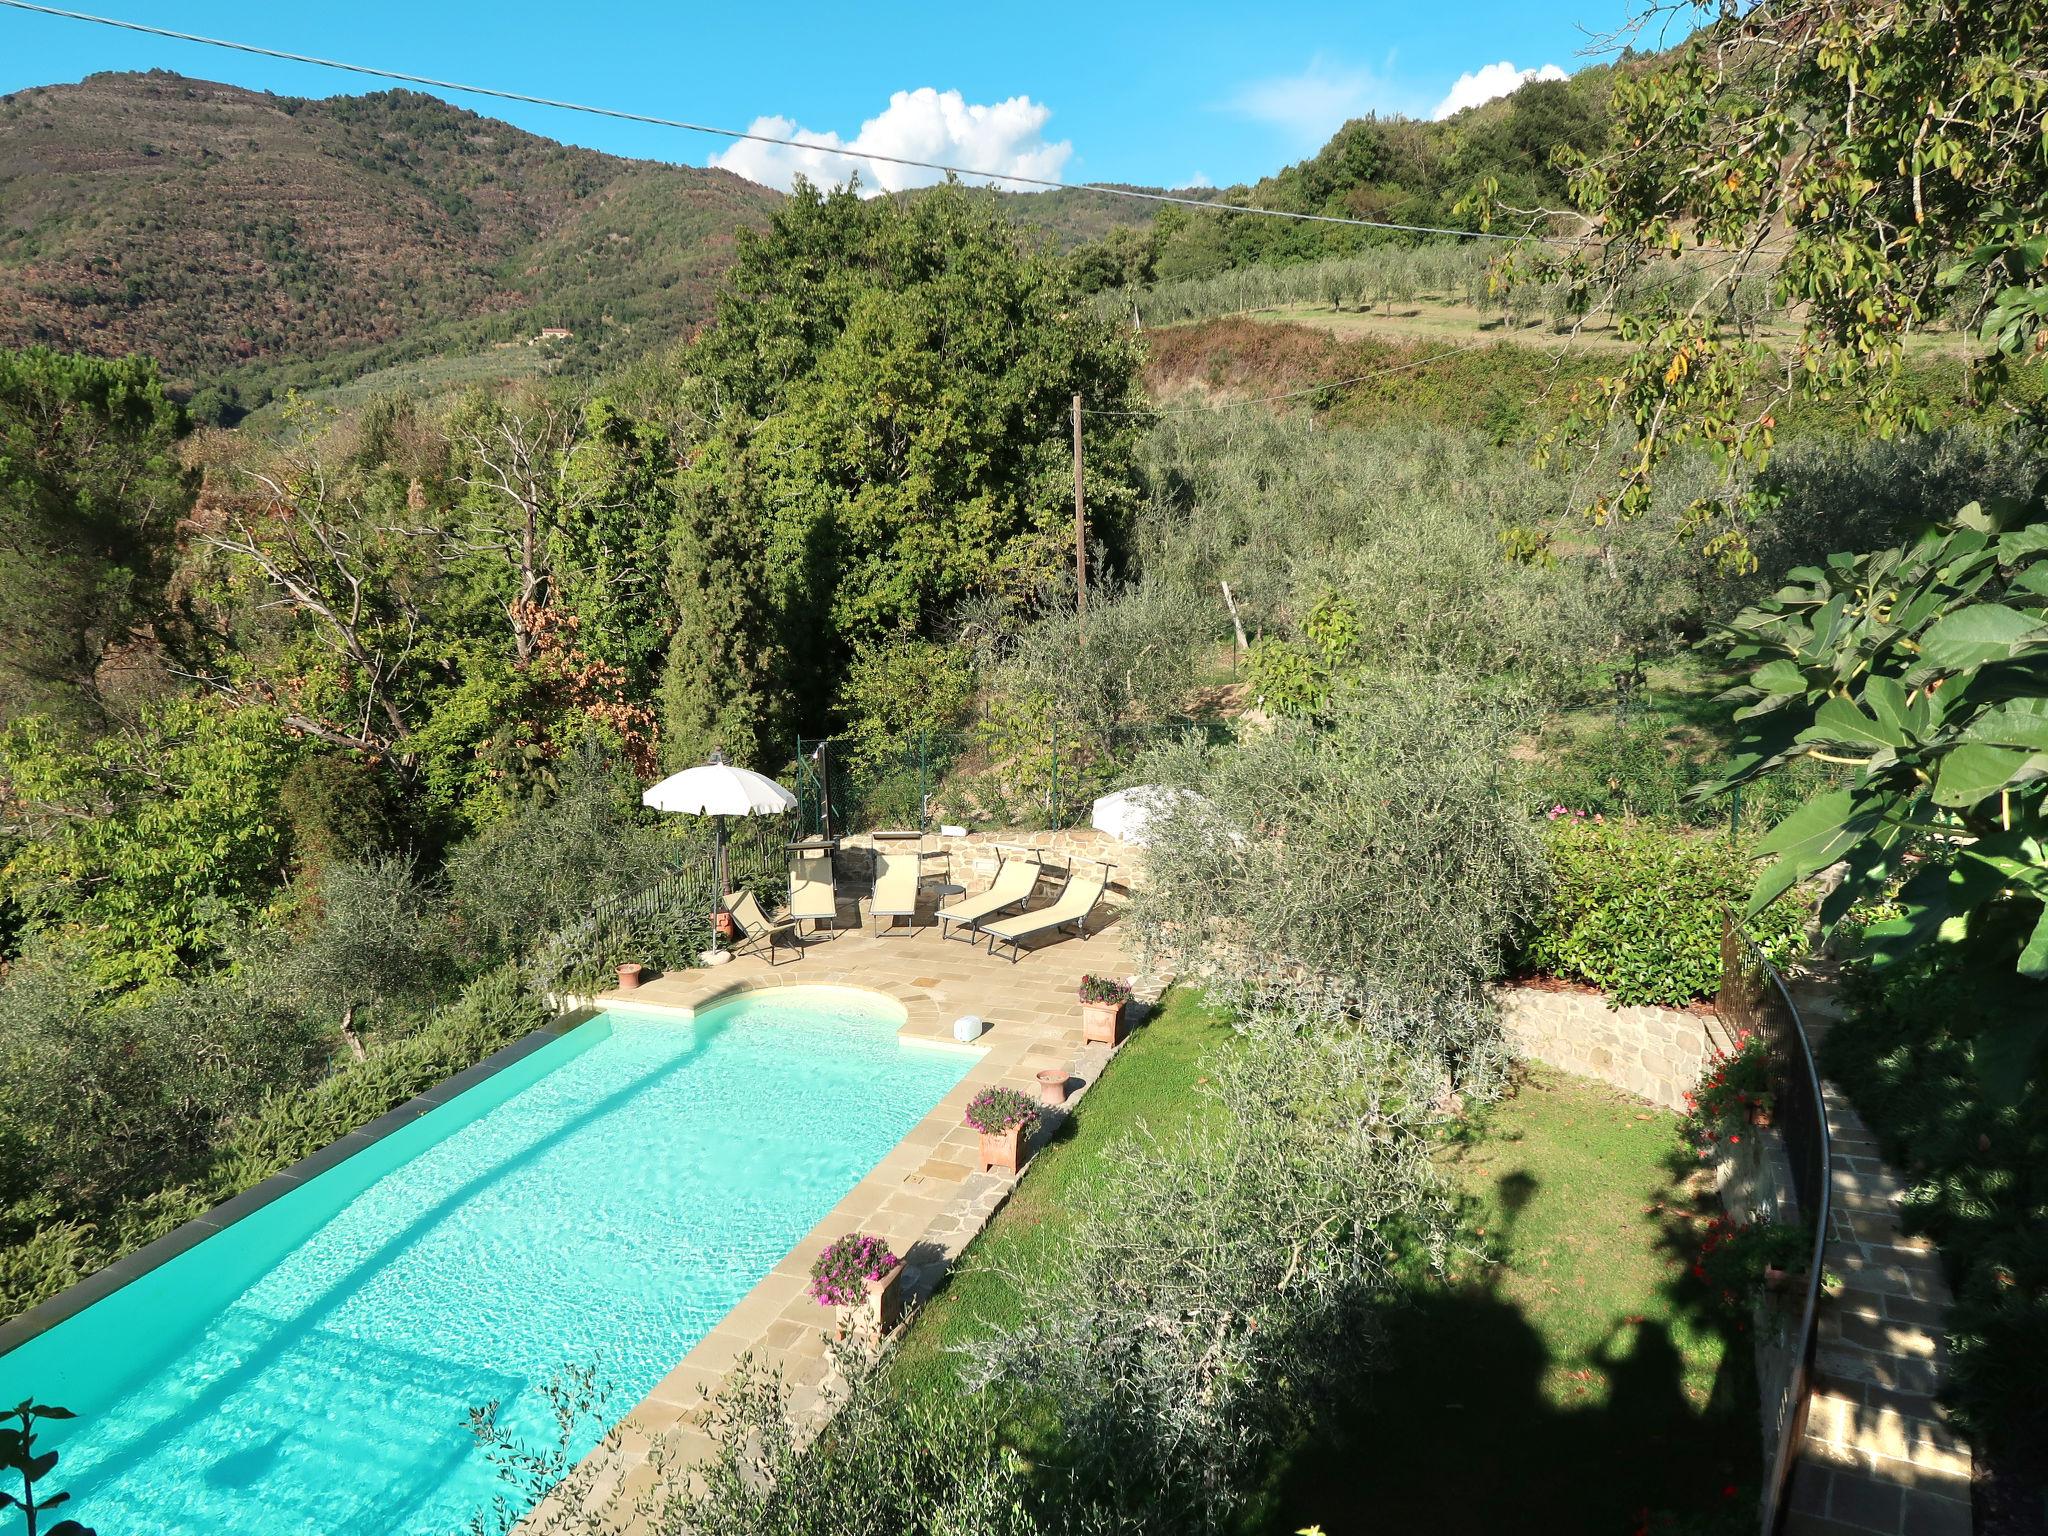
(1373, 868)
(1215, 1301)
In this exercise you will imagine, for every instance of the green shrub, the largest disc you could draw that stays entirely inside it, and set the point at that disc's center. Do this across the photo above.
(897, 692)
(341, 808)
(42, 1261)
(1226, 1295)
(546, 866)
(1636, 909)
(105, 1100)
(493, 1011)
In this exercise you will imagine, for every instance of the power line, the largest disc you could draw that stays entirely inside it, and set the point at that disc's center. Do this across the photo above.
(1296, 394)
(758, 138)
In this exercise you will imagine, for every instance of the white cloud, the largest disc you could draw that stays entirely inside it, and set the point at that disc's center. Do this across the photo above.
(1314, 104)
(1199, 179)
(923, 124)
(1491, 81)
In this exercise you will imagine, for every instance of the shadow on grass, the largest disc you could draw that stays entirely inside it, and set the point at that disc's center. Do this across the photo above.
(1462, 1430)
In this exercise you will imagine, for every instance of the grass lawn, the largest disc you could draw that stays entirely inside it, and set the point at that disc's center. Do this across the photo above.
(1153, 1081)
(1563, 1381)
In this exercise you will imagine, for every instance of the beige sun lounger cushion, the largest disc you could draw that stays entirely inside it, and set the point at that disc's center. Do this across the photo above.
(813, 898)
(1016, 879)
(1082, 892)
(756, 927)
(899, 861)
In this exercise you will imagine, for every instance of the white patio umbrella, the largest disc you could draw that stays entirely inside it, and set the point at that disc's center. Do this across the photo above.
(718, 789)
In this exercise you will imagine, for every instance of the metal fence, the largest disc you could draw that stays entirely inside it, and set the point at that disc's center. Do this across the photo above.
(841, 788)
(1753, 997)
(671, 917)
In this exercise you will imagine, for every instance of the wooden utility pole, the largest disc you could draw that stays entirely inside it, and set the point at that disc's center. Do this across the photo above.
(1080, 534)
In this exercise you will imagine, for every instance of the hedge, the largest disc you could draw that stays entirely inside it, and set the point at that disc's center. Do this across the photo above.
(493, 1011)
(1635, 910)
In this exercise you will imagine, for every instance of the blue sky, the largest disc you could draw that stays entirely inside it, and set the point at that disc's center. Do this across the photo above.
(1210, 91)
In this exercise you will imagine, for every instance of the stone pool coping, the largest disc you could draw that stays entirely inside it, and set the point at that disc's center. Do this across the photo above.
(75, 1298)
(925, 1196)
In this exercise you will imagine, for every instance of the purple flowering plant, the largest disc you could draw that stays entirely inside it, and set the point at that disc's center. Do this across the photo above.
(840, 1275)
(1106, 990)
(994, 1111)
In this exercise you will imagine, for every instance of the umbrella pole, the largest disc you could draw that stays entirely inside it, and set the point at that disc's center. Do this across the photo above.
(723, 883)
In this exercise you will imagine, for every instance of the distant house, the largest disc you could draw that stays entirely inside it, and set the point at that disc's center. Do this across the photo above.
(555, 333)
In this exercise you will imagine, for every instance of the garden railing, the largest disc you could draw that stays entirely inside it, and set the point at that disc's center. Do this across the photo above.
(1753, 996)
(577, 955)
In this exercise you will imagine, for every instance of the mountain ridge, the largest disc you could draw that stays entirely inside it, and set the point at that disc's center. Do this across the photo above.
(219, 228)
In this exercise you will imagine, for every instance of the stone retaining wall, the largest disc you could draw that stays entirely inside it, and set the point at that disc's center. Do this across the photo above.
(1654, 1053)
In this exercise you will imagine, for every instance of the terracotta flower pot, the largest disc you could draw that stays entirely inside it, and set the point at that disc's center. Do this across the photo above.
(630, 975)
(723, 924)
(1760, 1116)
(883, 1308)
(1102, 1023)
(1778, 1279)
(1052, 1087)
(1002, 1150)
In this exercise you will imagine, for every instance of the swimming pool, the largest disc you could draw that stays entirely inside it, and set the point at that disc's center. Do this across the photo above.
(609, 1197)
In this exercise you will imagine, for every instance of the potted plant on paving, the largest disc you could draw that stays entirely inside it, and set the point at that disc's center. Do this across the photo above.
(860, 1276)
(1102, 1009)
(1002, 1116)
(1739, 1260)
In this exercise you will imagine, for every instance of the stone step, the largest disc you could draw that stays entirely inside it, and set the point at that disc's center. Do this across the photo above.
(1889, 1270)
(1865, 1326)
(1840, 1501)
(1851, 1371)
(1844, 1431)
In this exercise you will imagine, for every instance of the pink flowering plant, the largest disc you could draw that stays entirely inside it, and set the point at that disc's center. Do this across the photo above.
(1106, 990)
(996, 1111)
(840, 1275)
(1565, 813)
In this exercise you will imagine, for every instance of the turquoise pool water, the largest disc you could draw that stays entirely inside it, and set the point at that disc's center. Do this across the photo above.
(310, 1368)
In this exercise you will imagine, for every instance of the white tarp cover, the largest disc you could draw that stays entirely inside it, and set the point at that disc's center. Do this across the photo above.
(1127, 814)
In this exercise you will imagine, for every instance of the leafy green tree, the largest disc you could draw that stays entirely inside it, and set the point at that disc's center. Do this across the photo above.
(146, 849)
(375, 943)
(1880, 163)
(107, 1099)
(1375, 867)
(1921, 673)
(90, 490)
(898, 692)
(891, 384)
(547, 863)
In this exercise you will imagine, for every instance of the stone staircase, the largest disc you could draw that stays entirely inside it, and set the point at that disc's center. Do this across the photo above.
(1879, 1457)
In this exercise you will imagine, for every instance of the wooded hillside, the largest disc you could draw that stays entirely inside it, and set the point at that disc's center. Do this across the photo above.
(215, 228)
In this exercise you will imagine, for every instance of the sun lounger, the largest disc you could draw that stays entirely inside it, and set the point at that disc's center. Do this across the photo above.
(899, 866)
(813, 894)
(757, 929)
(1074, 905)
(1016, 878)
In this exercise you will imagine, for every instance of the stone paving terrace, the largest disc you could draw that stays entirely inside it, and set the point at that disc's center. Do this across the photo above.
(1880, 1458)
(925, 1197)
